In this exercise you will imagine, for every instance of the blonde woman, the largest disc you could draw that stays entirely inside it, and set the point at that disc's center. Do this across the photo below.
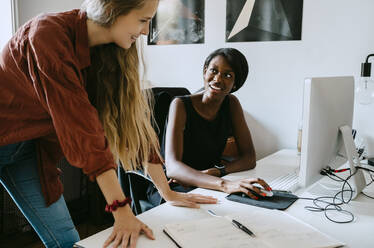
(70, 87)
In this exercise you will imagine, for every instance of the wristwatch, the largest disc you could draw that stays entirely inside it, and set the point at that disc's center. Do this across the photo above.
(221, 168)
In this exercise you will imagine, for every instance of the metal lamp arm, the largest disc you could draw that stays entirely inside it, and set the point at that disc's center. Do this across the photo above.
(367, 58)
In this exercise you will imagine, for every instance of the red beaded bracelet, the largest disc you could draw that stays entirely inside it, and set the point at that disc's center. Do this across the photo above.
(117, 204)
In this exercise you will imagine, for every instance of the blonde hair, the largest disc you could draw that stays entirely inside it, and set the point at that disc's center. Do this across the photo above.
(114, 89)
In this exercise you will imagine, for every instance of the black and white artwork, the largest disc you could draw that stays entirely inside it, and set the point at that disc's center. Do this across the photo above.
(178, 22)
(263, 20)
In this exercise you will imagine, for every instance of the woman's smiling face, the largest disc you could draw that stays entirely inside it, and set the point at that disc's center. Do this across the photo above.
(127, 28)
(219, 78)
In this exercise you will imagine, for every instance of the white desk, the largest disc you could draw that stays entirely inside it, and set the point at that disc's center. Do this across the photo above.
(358, 234)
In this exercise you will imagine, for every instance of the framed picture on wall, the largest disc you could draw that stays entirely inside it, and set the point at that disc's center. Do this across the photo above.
(178, 22)
(263, 20)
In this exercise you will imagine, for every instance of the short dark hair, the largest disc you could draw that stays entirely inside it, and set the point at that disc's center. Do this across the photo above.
(236, 60)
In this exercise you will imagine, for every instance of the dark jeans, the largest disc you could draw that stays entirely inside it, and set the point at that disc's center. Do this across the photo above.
(19, 176)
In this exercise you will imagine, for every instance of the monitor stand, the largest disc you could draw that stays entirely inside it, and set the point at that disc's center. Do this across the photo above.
(357, 181)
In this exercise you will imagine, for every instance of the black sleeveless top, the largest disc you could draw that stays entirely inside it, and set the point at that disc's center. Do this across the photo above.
(204, 140)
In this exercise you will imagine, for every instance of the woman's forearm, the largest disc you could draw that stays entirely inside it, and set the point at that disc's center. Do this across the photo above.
(245, 162)
(187, 175)
(159, 179)
(109, 185)
(111, 189)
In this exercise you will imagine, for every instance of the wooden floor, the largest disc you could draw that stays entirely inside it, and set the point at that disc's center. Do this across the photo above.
(31, 240)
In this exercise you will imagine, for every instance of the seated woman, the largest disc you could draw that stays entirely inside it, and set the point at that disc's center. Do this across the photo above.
(200, 124)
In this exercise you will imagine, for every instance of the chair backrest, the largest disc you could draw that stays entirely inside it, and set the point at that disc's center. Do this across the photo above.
(142, 192)
(139, 187)
(163, 97)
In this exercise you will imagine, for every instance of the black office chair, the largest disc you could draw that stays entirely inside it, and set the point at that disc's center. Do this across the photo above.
(141, 190)
(135, 184)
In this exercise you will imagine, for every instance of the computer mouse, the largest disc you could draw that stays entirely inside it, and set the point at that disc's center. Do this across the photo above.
(264, 193)
(267, 192)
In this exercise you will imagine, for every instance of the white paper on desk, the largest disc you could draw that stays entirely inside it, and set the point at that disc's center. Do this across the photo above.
(279, 229)
(211, 232)
(272, 228)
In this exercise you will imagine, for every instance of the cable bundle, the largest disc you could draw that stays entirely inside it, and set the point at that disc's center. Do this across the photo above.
(335, 203)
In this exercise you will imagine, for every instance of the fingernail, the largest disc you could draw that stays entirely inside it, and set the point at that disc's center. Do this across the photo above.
(268, 188)
(256, 198)
(263, 194)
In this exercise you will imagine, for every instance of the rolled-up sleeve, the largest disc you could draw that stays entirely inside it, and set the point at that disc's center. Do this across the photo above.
(154, 158)
(60, 88)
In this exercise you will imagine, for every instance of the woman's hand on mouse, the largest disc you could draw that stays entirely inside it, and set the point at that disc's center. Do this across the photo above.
(245, 186)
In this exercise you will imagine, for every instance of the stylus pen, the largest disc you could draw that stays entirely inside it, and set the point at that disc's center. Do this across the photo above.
(243, 228)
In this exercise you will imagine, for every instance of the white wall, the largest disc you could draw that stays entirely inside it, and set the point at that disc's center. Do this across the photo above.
(337, 35)
(30, 8)
(5, 22)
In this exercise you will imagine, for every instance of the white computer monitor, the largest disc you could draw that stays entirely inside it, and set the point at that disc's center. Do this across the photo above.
(327, 109)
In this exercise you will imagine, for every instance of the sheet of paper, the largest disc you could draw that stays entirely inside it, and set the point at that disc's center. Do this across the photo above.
(272, 228)
(278, 229)
(212, 232)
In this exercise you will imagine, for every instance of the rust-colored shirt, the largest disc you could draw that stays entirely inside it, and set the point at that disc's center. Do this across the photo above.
(43, 98)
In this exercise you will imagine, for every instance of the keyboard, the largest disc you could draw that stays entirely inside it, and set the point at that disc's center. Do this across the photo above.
(287, 182)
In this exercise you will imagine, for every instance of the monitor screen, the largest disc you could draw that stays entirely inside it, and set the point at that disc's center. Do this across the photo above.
(327, 106)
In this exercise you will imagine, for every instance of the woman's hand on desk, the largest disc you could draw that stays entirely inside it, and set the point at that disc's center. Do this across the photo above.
(245, 186)
(188, 200)
(175, 198)
(126, 229)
